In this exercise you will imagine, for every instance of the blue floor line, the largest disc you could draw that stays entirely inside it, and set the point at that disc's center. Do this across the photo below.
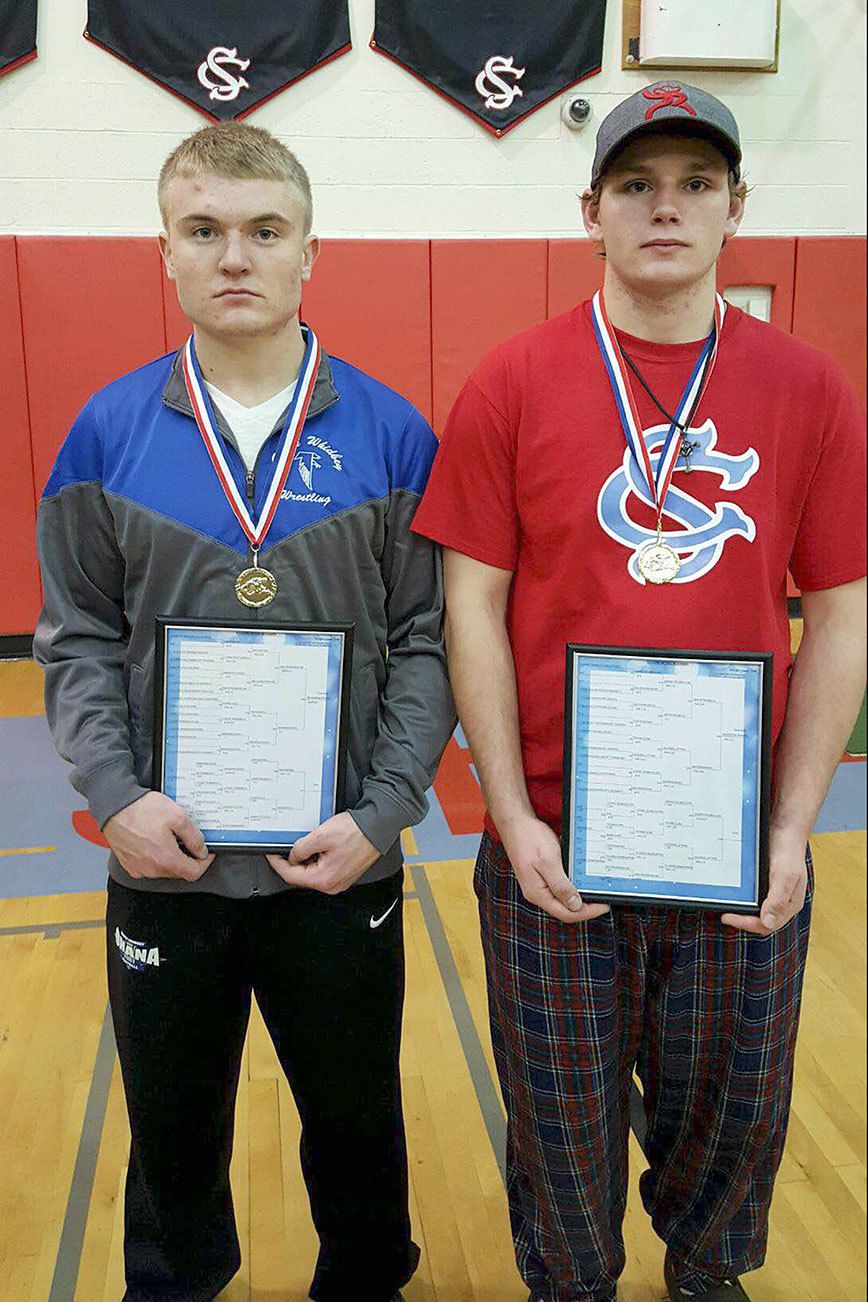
(844, 807)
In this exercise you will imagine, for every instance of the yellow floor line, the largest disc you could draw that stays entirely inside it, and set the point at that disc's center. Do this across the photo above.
(31, 849)
(408, 842)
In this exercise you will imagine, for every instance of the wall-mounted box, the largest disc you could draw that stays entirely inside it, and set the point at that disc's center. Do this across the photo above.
(723, 34)
(756, 300)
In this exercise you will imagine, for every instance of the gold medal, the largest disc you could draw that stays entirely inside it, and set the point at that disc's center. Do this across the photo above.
(256, 587)
(658, 563)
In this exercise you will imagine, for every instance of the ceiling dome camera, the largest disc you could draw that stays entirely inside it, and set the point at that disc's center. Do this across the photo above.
(576, 112)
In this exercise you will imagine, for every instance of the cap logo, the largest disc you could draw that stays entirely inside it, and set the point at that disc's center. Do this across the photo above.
(668, 95)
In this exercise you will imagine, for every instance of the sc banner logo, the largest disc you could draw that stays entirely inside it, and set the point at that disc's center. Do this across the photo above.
(213, 73)
(705, 533)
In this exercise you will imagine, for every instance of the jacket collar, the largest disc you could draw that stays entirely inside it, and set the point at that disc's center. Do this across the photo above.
(175, 392)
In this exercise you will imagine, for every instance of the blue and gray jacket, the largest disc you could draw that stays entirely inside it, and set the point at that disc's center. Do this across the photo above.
(134, 524)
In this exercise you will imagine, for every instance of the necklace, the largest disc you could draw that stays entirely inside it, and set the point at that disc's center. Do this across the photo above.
(687, 448)
(255, 586)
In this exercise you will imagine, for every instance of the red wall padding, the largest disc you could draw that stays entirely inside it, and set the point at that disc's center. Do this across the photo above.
(419, 316)
(575, 273)
(756, 261)
(20, 597)
(370, 303)
(91, 310)
(830, 301)
(482, 292)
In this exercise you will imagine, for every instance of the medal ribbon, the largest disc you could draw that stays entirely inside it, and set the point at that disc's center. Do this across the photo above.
(625, 399)
(295, 418)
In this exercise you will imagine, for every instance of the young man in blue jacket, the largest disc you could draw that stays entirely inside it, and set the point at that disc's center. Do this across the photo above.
(138, 521)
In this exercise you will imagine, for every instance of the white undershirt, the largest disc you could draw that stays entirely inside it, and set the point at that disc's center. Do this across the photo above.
(251, 426)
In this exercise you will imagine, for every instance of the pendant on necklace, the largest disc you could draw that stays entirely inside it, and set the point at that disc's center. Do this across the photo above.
(256, 587)
(658, 563)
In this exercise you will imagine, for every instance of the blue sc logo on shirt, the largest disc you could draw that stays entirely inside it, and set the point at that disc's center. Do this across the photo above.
(704, 533)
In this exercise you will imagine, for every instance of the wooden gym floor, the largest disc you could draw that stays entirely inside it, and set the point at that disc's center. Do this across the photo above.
(63, 1130)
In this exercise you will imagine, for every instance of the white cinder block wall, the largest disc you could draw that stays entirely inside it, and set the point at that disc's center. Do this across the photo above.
(82, 138)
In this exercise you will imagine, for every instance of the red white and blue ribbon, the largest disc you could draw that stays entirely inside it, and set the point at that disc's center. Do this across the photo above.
(625, 399)
(200, 401)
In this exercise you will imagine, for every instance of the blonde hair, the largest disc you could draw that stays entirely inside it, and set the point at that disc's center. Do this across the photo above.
(241, 153)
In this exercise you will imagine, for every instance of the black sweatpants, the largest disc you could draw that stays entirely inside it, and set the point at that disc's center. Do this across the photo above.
(328, 975)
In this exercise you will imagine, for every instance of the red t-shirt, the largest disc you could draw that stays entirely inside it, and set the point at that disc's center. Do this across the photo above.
(533, 476)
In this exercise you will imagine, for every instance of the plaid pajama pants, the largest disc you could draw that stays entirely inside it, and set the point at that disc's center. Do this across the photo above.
(707, 1016)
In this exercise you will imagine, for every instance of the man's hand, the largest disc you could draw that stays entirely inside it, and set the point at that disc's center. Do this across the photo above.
(329, 859)
(788, 884)
(535, 854)
(145, 836)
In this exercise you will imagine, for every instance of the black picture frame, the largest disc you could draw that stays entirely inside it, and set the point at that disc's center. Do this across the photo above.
(345, 630)
(765, 660)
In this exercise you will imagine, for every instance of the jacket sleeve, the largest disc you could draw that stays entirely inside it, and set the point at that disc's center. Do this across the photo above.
(417, 713)
(80, 640)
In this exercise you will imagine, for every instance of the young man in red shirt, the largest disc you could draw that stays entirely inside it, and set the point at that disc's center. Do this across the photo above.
(545, 516)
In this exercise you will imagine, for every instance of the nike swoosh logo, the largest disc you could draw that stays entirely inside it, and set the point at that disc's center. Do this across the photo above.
(378, 922)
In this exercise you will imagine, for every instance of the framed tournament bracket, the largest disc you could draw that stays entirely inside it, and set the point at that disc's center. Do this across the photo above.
(667, 776)
(250, 731)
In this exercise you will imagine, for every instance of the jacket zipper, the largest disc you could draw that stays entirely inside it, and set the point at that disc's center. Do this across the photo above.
(250, 481)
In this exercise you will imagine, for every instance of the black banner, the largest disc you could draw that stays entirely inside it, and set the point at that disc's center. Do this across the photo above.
(499, 62)
(225, 57)
(17, 33)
